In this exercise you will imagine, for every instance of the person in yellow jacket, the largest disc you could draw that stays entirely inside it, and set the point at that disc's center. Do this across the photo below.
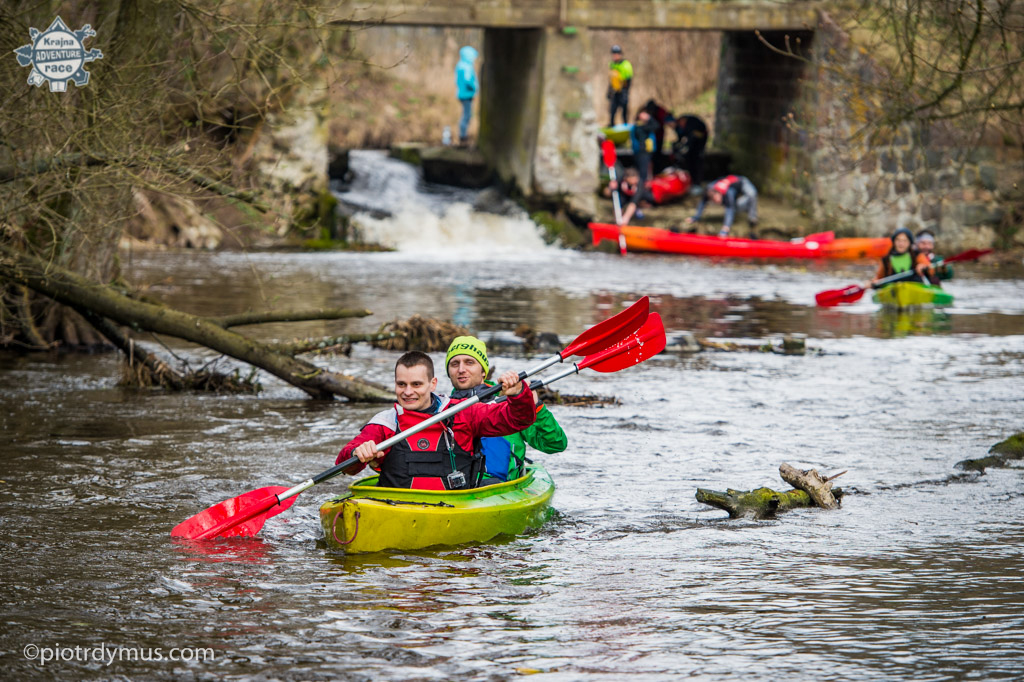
(504, 456)
(620, 77)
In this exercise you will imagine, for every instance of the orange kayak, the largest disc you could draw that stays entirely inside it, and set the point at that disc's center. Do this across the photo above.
(822, 245)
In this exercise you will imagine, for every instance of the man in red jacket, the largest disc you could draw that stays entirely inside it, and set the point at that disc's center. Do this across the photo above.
(442, 456)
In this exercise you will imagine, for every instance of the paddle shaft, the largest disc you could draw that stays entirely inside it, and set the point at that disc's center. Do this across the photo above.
(615, 196)
(897, 277)
(426, 423)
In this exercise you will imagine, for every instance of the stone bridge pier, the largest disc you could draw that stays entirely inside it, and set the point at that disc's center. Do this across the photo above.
(537, 121)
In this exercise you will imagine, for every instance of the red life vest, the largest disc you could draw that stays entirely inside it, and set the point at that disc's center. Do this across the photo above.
(722, 186)
(424, 460)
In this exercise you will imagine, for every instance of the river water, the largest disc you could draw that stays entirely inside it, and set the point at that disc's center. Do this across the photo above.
(920, 574)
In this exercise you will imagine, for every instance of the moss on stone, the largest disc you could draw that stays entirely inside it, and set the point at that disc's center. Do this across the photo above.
(1011, 448)
(559, 230)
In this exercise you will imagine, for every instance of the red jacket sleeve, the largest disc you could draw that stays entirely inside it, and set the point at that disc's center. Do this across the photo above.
(499, 419)
(374, 432)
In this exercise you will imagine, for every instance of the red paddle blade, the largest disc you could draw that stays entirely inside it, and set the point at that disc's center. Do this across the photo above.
(608, 152)
(241, 516)
(836, 296)
(970, 254)
(610, 331)
(644, 343)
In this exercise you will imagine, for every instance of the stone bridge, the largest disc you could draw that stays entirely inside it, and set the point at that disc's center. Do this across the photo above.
(537, 122)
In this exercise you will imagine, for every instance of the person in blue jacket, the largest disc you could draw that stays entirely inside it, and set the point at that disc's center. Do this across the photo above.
(466, 87)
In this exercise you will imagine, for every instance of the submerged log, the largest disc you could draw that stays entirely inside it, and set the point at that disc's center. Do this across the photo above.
(762, 503)
(810, 490)
(101, 300)
(790, 345)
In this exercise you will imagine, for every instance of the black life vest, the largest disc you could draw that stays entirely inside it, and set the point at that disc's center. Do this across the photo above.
(424, 460)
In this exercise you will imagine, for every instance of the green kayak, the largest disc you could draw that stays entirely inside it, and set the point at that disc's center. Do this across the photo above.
(909, 294)
(370, 519)
(619, 134)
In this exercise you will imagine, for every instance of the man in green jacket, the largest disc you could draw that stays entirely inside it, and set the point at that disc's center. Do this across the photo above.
(620, 78)
(467, 366)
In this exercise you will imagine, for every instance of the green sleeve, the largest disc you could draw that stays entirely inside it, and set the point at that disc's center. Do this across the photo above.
(545, 434)
(627, 69)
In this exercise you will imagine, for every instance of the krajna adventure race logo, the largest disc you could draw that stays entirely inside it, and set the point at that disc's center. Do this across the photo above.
(57, 55)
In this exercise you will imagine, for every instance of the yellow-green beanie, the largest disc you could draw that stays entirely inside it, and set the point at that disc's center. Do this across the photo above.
(471, 346)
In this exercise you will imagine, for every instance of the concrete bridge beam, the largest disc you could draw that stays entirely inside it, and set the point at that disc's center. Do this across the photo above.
(717, 15)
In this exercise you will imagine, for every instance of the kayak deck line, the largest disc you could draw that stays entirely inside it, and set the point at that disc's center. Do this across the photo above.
(370, 519)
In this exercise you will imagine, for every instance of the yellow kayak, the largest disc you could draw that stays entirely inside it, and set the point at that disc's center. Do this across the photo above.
(370, 519)
(909, 294)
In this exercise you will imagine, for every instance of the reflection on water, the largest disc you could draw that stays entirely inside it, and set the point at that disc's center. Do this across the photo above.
(916, 576)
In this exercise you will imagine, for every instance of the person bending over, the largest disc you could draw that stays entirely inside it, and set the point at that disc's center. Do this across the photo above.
(735, 193)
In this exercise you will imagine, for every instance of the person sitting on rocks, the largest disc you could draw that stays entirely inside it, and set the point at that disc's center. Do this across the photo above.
(668, 185)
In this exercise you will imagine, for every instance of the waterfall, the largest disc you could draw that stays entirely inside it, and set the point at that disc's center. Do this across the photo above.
(396, 208)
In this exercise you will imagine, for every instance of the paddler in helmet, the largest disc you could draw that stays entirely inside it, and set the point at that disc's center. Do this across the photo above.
(504, 457)
(442, 456)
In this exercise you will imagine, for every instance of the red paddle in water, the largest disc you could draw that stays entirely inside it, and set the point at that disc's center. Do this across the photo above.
(854, 292)
(608, 151)
(621, 336)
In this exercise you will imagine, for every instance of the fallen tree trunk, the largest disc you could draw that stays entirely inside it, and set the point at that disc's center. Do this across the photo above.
(764, 503)
(96, 299)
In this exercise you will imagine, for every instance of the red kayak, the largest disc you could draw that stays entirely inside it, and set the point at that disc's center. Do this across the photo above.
(821, 245)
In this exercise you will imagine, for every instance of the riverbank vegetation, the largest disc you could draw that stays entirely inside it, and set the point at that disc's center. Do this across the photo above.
(169, 136)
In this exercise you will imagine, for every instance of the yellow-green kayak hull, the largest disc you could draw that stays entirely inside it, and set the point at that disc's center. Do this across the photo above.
(909, 294)
(371, 519)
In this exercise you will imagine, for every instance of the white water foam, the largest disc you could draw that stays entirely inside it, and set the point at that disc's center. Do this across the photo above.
(432, 220)
(460, 233)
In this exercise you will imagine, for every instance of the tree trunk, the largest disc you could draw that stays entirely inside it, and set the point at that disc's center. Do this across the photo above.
(762, 503)
(78, 292)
